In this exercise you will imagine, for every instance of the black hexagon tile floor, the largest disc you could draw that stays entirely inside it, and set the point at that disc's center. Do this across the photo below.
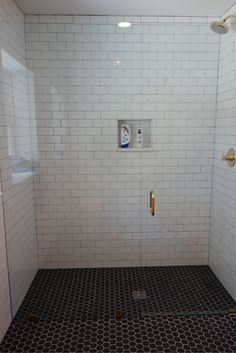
(98, 294)
(184, 309)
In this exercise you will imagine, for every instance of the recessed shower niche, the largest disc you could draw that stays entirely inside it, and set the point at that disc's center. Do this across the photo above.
(134, 126)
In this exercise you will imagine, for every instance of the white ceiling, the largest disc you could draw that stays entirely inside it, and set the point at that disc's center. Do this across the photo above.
(127, 7)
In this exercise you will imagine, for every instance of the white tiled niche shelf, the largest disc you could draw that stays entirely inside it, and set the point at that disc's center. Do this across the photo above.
(146, 128)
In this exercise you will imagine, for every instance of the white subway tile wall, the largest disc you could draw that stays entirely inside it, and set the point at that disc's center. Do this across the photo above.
(15, 154)
(91, 199)
(5, 305)
(223, 237)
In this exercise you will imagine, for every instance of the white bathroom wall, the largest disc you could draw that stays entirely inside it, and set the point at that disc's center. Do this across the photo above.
(223, 234)
(92, 199)
(5, 304)
(16, 154)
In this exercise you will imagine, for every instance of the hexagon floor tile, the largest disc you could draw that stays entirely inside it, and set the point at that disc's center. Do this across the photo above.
(99, 293)
(93, 311)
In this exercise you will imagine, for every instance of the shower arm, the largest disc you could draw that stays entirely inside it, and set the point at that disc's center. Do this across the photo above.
(229, 17)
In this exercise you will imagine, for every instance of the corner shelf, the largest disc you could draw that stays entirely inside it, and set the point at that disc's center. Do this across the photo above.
(145, 125)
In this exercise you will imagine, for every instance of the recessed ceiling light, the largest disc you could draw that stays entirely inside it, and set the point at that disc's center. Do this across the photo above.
(124, 24)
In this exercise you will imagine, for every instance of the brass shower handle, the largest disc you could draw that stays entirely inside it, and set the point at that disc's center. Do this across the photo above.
(152, 203)
(230, 157)
(225, 157)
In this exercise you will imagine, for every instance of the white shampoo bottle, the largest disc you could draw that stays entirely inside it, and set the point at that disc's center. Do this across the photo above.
(139, 141)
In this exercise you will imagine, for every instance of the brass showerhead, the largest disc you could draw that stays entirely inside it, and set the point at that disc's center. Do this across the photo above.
(221, 27)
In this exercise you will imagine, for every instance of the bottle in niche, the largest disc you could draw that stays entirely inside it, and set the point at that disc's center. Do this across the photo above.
(139, 141)
(125, 135)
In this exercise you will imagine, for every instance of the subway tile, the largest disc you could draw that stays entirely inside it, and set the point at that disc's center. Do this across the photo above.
(18, 226)
(89, 106)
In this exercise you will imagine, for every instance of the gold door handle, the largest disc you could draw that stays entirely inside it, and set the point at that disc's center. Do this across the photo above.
(152, 203)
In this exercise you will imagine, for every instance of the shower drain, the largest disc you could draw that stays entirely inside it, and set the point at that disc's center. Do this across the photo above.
(185, 313)
(139, 294)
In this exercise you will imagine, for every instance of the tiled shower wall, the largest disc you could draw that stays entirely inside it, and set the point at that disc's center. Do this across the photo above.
(92, 199)
(5, 305)
(15, 154)
(223, 235)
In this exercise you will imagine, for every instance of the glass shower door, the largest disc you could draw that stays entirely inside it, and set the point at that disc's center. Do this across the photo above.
(111, 200)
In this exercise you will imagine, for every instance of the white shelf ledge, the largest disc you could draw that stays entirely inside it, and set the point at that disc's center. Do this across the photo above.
(19, 177)
(135, 149)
